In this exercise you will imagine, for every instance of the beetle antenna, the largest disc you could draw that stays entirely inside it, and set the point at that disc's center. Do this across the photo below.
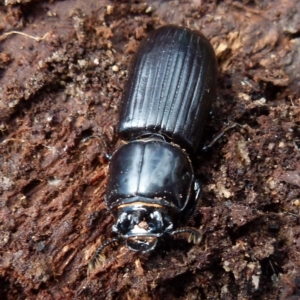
(99, 258)
(195, 236)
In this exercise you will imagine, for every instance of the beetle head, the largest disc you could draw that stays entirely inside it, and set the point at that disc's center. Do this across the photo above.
(141, 227)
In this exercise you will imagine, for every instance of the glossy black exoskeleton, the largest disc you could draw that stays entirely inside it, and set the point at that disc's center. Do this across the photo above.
(151, 187)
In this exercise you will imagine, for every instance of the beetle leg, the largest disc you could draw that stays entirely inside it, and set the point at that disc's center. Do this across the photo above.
(99, 258)
(195, 236)
(194, 202)
(104, 141)
(220, 135)
(197, 189)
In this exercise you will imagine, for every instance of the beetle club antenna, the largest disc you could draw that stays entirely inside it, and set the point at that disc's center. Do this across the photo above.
(195, 236)
(99, 257)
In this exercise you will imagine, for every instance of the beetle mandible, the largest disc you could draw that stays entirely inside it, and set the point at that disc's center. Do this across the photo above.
(152, 189)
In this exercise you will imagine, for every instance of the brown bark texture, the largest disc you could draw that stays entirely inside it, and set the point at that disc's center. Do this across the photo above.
(63, 66)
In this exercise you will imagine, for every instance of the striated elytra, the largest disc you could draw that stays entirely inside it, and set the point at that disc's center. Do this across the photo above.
(152, 189)
(171, 86)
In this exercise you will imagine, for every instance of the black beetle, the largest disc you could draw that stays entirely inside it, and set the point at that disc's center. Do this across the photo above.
(151, 187)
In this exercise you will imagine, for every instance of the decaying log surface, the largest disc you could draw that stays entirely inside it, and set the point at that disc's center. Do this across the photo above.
(63, 66)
